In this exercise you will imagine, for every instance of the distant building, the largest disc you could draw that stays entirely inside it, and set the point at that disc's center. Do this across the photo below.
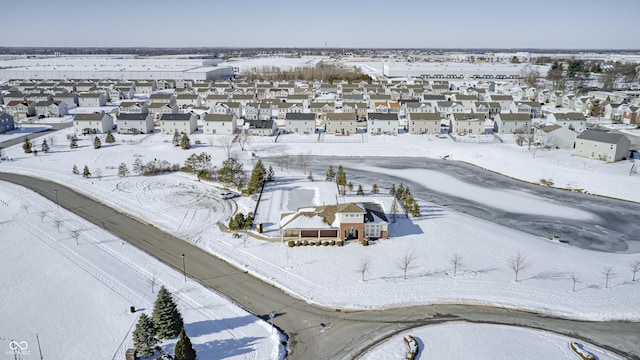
(602, 145)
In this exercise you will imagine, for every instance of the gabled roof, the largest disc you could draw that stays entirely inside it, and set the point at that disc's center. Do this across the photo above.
(176, 117)
(260, 124)
(382, 116)
(89, 117)
(514, 117)
(601, 136)
(126, 104)
(570, 116)
(469, 116)
(424, 116)
(341, 116)
(134, 116)
(300, 116)
(219, 117)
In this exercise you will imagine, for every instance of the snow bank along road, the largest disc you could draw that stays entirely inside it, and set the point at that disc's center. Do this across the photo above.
(316, 333)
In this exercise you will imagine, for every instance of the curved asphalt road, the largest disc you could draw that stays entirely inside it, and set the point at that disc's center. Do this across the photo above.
(314, 332)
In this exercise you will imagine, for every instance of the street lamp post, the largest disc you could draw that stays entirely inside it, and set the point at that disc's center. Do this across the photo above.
(184, 269)
(57, 203)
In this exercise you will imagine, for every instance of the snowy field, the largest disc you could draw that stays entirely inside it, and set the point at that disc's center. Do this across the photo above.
(458, 341)
(76, 295)
(22, 131)
(181, 205)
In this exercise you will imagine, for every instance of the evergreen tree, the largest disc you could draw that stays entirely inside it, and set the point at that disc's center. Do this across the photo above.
(85, 172)
(166, 317)
(360, 190)
(231, 172)
(400, 191)
(110, 139)
(374, 189)
(394, 209)
(123, 170)
(330, 174)
(415, 210)
(138, 166)
(97, 144)
(45, 146)
(184, 349)
(73, 144)
(392, 192)
(176, 139)
(310, 176)
(270, 174)
(185, 142)
(341, 179)
(144, 336)
(75, 170)
(257, 177)
(27, 145)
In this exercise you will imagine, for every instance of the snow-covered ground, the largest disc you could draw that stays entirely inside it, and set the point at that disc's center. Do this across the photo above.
(181, 205)
(22, 130)
(457, 341)
(75, 297)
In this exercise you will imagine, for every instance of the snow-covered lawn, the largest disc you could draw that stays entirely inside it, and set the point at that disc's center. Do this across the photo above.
(179, 204)
(458, 341)
(22, 131)
(76, 296)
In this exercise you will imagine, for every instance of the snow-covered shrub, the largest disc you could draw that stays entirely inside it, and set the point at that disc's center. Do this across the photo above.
(578, 349)
(291, 243)
(412, 346)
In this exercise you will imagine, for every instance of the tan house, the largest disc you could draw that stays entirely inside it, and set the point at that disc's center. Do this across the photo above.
(350, 221)
(465, 124)
(512, 123)
(182, 123)
(602, 145)
(96, 123)
(340, 123)
(423, 123)
(219, 124)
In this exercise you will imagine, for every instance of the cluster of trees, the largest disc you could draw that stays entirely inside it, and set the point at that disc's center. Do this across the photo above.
(30, 148)
(240, 222)
(181, 140)
(85, 172)
(403, 195)
(199, 164)
(577, 71)
(324, 72)
(154, 167)
(165, 323)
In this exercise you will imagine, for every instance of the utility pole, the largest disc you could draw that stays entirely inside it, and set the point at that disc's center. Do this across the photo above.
(184, 269)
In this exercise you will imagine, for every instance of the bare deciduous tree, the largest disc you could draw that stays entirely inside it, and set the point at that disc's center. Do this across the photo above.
(608, 274)
(25, 206)
(43, 214)
(75, 233)
(364, 266)
(456, 261)
(405, 263)
(57, 222)
(303, 161)
(98, 172)
(575, 279)
(635, 267)
(517, 263)
(226, 143)
(243, 140)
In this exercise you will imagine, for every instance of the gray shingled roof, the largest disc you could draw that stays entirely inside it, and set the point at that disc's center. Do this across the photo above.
(134, 116)
(176, 117)
(601, 136)
(300, 116)
(382, 116)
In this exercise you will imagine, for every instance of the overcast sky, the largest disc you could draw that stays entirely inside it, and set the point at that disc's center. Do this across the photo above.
(558, 24)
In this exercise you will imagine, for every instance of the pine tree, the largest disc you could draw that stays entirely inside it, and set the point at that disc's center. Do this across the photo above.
(185, 142)
(144, 336)
(176, 139)
(360, 190)
(73, 144)
(75, 170)
(123, 170)
(341, 179)
(374, 189)
(110, 139)
(184, 349)
(350, 186)
(330, 174)
(231, 172)
(394, 209)
(166, 317)
(400, 191)
(27, 145)
(138, 166)
(415, 210)
(310, 176)
(97, 144)
(392, 192)
(85, 172)
(257, 178)
(45, 146)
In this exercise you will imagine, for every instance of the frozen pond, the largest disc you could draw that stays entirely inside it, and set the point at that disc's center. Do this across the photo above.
(298, 198)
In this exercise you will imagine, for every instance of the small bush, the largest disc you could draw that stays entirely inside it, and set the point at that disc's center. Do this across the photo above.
(325, 243)
(305, 243)
(332, 243)
(546, 182)
(318, 243)
(365, 242)
(312, 243)
(340, 243)
(290, 243)
(412, 346)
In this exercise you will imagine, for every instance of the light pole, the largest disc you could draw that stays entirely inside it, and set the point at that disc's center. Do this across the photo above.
(184, 269)
(57, 203)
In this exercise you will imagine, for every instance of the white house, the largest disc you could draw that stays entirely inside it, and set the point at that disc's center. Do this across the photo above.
(51, 108)
(182, 123)
(140, 123)
(92, 100)
(554, 136)
(261, 127)
(135, 107)
(602, 145)
(572, 121)
(299, 123)
(95, 123)
(381, 123)
(341, 123)
(220, 124)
